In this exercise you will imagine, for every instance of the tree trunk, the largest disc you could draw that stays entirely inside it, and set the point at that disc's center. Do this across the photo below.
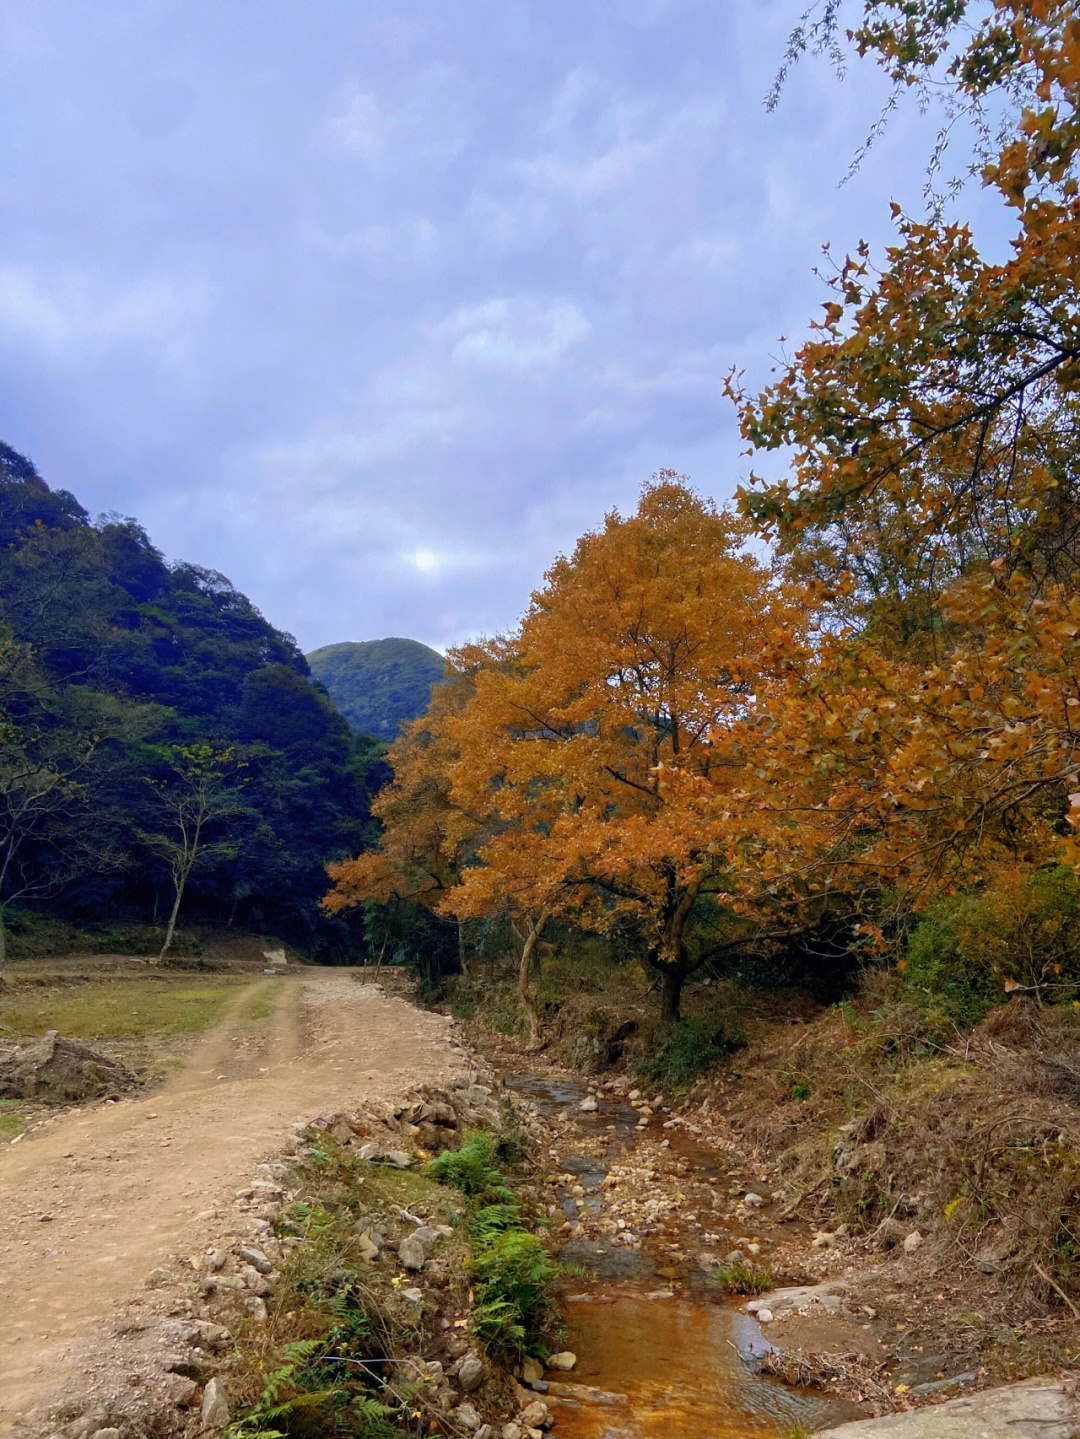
(181, 880)
(3, 943)
(528, 1004)
(671, 984)
(461, 954)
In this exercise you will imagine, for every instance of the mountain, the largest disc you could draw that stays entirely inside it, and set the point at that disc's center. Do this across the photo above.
(127, 681)
(378, 684)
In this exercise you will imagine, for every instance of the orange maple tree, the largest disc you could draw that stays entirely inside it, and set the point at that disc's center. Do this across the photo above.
(933, 499)
(561, 768)
(586, 727)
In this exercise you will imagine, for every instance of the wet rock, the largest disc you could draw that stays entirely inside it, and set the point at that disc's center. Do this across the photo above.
(215, 1405)
(1043, 1407)
(589, 1104)
(535, 1416)
(801, 1299)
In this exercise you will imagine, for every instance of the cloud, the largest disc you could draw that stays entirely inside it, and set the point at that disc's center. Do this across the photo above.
(64, 309)
(359, 125)
(519, 333)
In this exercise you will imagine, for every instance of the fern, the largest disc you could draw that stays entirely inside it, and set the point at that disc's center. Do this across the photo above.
(472, 1169)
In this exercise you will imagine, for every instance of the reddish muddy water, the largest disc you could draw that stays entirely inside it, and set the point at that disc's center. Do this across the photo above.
(683, 1366)
(675, 1360)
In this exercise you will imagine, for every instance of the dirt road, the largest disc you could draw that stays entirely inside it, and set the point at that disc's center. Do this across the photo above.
(93, 1202)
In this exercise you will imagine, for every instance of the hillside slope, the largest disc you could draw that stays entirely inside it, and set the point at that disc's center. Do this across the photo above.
(378, 684)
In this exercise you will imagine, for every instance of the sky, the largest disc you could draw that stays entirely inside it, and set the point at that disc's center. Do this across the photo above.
(376, 308)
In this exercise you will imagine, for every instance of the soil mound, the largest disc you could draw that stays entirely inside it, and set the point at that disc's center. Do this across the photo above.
(58, 1071)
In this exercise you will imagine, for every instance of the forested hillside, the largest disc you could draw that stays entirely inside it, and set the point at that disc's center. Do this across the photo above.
(378, 685)
(158, 734)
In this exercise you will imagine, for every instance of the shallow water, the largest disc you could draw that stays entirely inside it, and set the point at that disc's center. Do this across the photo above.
(682, 1366)
(673, 1365)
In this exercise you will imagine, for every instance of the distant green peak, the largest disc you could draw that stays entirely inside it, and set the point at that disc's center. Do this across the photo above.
(378, 684)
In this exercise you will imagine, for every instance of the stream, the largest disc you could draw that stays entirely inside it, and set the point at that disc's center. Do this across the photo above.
(661, 1352)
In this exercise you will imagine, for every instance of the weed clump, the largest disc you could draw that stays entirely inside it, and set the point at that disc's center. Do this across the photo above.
(738, 1277)
(473, 1170)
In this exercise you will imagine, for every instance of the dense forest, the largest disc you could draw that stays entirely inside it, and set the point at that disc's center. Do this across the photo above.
(376, 684)
(160, 740)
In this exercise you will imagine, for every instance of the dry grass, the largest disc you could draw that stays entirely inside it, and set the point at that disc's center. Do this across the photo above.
(159, 1004)
(974, 1139)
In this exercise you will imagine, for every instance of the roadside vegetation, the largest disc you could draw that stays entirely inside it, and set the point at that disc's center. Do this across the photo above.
(354, 1345)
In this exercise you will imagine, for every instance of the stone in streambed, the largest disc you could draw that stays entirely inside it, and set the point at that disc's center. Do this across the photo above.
(564, 1361)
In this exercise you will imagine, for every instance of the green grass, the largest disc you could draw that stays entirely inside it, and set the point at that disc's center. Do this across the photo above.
(120, 1008)
(262, 1004)
(12, 1118)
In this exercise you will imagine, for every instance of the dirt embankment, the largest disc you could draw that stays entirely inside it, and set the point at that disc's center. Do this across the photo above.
(99, 1203)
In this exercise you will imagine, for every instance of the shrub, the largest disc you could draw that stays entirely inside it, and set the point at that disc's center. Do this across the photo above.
(512, 1275)
(1023, 932)
(695, 1046)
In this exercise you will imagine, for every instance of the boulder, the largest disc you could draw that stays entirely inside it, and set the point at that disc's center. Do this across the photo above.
(1033, 1409)
(470, 1373)
(412, 1253)
(467, 1417)
(257, 1259)
(564, 1361)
